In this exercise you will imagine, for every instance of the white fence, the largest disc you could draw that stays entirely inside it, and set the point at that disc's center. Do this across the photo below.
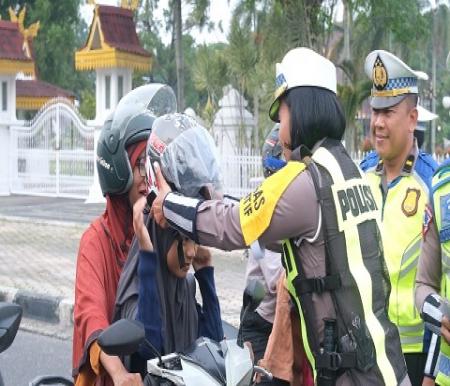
(242, 172)
(53, 154)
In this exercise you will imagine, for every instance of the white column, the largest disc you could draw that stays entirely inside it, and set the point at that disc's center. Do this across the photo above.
(7, 117)
(4, 161)
(99, 95)
(95, 192)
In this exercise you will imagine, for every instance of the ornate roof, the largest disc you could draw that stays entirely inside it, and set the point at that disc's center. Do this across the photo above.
(112, 42)
(33, 94)
(14, 52)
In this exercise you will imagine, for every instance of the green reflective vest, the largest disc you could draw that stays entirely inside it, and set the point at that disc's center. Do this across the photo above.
(354, 255)
(401, 228)
(441, 204)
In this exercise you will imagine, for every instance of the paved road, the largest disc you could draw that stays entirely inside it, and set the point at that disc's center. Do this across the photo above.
(32, 355)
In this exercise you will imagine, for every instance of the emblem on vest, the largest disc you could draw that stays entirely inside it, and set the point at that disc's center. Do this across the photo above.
(444, 233)
(354, 203)
(411, 202)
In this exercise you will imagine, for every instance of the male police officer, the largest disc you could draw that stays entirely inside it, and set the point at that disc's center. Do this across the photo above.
(321, 205)
(433, 276)
(400, 176)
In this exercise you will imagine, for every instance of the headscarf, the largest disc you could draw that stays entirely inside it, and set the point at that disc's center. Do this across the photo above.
(102, 253)
(177, 297)
(119, 212)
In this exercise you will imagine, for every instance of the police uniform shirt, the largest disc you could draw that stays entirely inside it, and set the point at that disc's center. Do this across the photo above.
(429, 278)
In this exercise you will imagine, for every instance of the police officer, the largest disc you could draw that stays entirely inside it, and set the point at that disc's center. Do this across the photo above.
(322, 208)
(432, 282)
(400, 176)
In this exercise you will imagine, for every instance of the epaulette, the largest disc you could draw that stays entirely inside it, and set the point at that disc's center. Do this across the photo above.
(409, 163)
(369, 161)
(428, 160)
(425, 167)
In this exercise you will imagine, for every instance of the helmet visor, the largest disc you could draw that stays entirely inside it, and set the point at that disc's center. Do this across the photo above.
(157, 98)
(190, 162)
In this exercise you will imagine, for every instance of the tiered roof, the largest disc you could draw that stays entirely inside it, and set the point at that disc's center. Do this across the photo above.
(112, 42)
(15, 52)
(33, 94)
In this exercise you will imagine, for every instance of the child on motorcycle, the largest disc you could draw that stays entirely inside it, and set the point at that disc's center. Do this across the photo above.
(167, 307)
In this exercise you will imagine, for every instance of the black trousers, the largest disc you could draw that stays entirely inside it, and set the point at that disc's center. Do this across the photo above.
(415, 362)
(256, 330)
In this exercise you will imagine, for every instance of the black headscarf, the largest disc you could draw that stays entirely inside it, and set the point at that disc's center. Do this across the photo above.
(177, 296)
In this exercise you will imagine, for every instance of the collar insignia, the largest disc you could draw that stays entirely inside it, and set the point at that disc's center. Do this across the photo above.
(379, 167)
(411, 202)
(379, 74)
(409, 163)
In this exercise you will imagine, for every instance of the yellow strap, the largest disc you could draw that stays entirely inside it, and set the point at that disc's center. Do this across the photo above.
(391, 93)
(257, 208)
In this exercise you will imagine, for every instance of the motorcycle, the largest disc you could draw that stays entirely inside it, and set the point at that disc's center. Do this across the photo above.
(206, 362)
(10, 316)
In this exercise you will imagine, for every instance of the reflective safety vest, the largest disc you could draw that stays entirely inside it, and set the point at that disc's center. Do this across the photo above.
(367, 342)
(402, 210)
(441, 204)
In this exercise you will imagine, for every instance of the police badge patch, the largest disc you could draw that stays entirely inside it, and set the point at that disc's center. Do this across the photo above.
(444, 234)
(427, 219)
(410, 202)
(379, 74)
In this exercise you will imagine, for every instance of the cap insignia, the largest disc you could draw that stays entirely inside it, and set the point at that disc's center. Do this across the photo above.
(379, 74)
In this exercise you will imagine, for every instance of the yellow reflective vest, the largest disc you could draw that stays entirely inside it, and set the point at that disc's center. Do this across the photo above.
(402, 204)
(441, 204)
(368, 344)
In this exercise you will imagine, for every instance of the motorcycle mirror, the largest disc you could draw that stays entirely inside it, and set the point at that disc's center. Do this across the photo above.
(254, 294)
(122, 337)
(10, 316)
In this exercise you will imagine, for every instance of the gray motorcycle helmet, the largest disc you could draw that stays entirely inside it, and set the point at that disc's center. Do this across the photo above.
(186, 153)
(131, 122)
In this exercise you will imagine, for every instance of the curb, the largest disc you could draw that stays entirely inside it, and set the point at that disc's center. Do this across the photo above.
(41, 221)
(50, 309)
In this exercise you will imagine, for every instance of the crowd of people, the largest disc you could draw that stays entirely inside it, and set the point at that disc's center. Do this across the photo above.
(354, 259)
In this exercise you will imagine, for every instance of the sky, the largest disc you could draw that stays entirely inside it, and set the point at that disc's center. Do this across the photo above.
(220, 10)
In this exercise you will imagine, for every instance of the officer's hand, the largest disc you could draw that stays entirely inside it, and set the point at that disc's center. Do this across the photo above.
(445, 329)
(140, 229)
(202, 258)
(163, 190)
(127, 379)
(427, 381)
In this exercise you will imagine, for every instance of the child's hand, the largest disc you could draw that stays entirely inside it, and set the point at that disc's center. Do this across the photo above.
(202, 258)
(140, 229)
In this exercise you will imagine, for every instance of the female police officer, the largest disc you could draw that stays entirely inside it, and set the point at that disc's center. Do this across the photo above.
(322, 209)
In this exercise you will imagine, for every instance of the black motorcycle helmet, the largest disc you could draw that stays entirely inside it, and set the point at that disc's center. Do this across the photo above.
(131, 122)
(272, 152)
(186, 153)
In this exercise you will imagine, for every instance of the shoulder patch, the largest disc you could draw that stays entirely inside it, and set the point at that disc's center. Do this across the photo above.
(256, 209)
(370, 161)
(425, 167)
